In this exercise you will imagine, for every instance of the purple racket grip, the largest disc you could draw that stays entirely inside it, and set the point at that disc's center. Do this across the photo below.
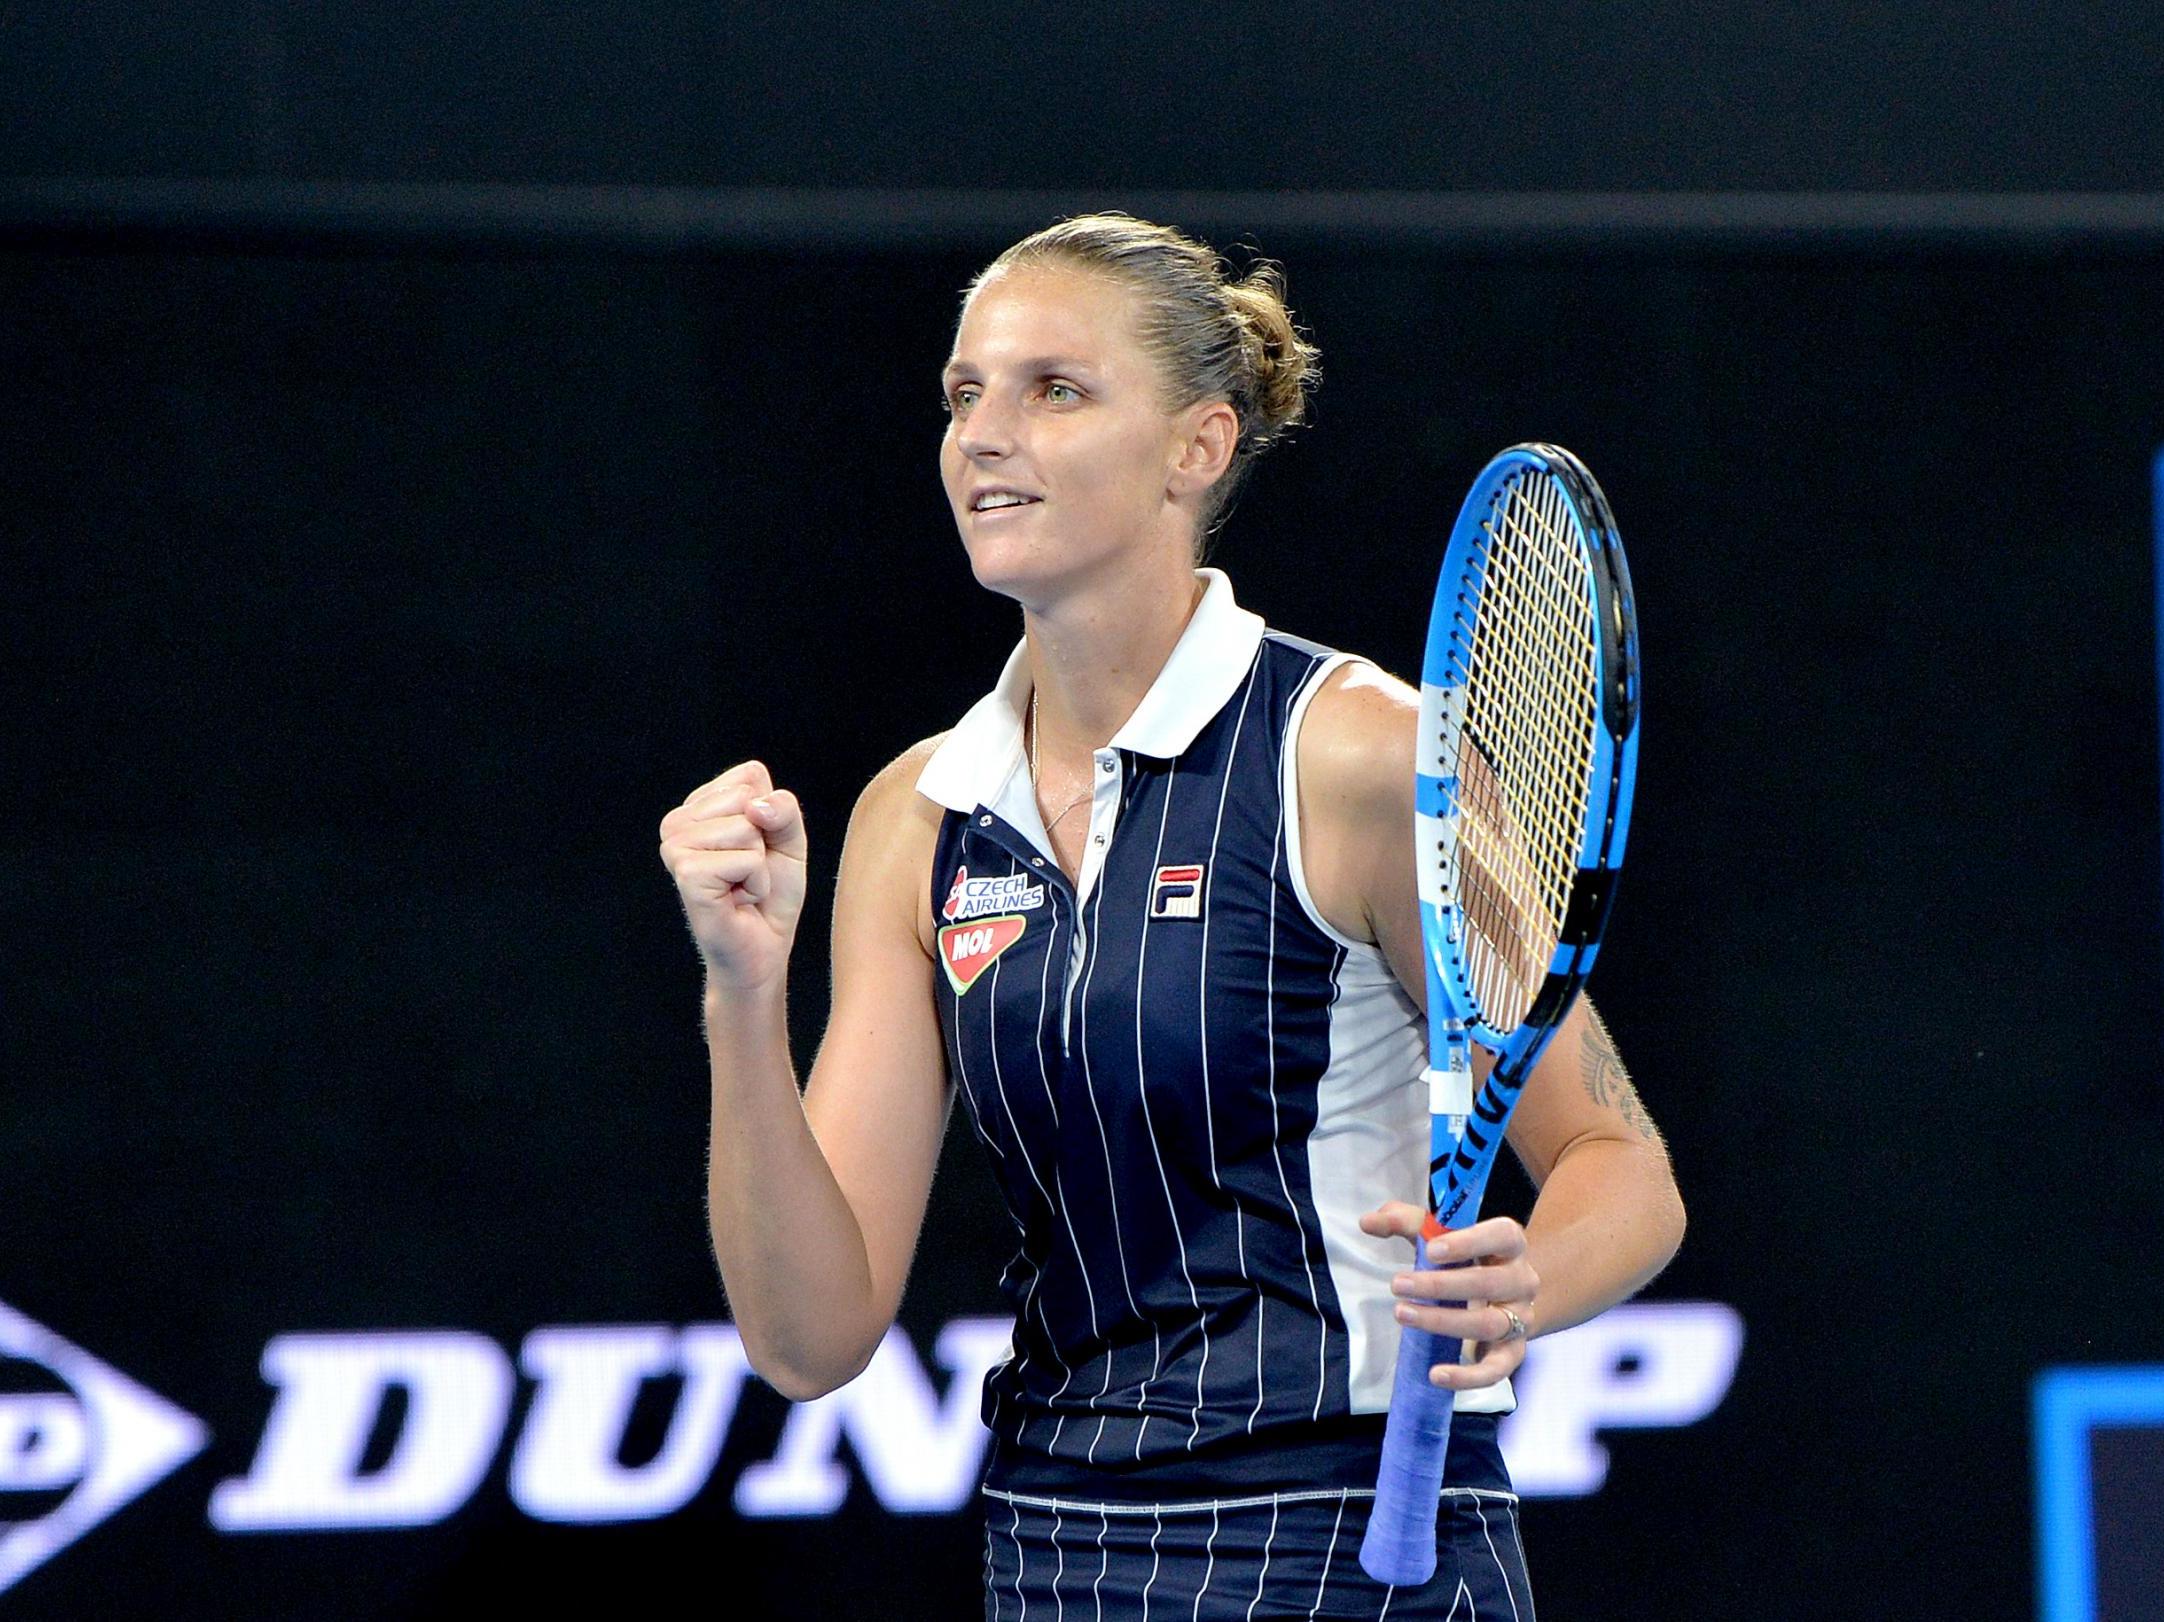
(1399, 1548)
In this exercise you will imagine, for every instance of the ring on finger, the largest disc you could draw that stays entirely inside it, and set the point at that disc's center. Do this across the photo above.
(1517, 1325)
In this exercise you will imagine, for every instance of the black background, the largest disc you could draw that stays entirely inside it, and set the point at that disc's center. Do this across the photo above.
(370, 600)
(1548, 95)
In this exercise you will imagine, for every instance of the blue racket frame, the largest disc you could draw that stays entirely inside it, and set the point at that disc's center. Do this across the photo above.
(1465, 1131)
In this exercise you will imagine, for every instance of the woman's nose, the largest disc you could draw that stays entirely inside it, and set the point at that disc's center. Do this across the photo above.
(989, 428)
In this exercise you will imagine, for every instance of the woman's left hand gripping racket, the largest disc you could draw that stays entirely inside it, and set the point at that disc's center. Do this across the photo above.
(1528, 749)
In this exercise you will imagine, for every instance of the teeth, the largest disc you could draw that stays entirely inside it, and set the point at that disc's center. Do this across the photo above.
(1000, 499)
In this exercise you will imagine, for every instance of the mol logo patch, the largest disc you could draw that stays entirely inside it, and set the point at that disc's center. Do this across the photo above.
(77, 1449)
(967, 950)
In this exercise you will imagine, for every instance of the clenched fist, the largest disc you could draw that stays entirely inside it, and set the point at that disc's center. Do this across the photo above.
(736, 850)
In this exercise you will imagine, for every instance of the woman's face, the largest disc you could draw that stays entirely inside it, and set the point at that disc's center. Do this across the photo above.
(1059, 456)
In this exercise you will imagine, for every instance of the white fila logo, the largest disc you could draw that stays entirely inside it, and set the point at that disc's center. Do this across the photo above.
(1178, 892)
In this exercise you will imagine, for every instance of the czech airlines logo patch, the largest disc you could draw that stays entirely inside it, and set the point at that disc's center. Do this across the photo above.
(967, 950)
(972, 898)
(1178, 892)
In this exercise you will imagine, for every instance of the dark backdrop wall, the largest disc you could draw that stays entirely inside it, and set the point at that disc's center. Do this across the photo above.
(1858, 95)
(369, 608)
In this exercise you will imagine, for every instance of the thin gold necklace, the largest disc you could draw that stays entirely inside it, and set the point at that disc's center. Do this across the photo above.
(1071, 804)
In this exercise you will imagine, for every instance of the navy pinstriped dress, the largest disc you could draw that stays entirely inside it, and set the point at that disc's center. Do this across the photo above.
(1190, 1088)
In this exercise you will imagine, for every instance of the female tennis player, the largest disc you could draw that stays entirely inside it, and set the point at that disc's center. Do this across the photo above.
(1149, 907)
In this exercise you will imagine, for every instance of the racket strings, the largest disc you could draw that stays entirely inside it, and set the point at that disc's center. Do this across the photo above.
(1531, 706)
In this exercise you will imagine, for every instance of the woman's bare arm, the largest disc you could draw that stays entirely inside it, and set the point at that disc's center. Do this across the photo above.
(1608, 1216)
(815, 1201)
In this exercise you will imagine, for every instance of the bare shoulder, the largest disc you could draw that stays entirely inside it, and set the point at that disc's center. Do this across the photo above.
(891, 795)
(1355, 784)
(887, 858)
(1356, 745)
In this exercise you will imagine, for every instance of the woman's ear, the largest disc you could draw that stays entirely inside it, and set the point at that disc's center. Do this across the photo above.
(1210, 434)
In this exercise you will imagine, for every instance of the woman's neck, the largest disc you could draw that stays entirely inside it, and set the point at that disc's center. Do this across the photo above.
(1092, 659)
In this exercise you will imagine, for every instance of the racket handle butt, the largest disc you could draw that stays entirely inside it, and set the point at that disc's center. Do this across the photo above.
(1399, 1546)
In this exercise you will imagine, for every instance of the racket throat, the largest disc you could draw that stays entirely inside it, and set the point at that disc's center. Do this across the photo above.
(1450, 1089)
(1450, 1105)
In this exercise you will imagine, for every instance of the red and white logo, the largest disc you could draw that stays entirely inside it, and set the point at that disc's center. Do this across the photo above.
(973, 898)
(1178, 892)
(967, 950)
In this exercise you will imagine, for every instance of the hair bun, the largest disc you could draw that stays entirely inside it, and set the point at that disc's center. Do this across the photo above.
(1283, 365)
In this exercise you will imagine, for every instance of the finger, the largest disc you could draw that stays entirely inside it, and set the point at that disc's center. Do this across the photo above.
(742, 870)
(750, 777)
(721, 800)
(781, 819)
(1497, 1238)
(721, 833)
(1455, 1321)
(1496, 1363)
(1393, 1220)
(1506, 1283)
(685, 815)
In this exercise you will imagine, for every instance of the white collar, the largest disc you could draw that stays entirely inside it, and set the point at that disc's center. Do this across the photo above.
(1204, 669)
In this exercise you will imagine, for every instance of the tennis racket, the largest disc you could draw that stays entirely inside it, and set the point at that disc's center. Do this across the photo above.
(1528, 749)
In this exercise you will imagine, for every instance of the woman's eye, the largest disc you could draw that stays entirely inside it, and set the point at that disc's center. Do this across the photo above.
(1061, 393)
(960, 401)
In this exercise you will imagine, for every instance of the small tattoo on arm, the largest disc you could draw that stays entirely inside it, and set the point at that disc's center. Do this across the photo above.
(1607, 1083)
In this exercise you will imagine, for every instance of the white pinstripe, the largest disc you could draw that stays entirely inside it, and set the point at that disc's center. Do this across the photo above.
(969, 1100)
(1523, 1569)
(1202, 996)
(1149, 1126)
(1329, 1555)
(1263, 1576)
(999, 1080)
(1498, 1559)
(969, 1108)
(1059, 1570)
(1014, 1531)
(1156, 1532)
(1465, 1594)
(1209, 1568)
(1044, 1076)
(1104, 1561)
(1269, 1010)
(991, 1015)
(991, 1422)
(1112, 1191)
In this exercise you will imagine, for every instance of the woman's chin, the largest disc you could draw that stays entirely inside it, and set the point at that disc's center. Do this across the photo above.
(1037, 572)
(1009, 571)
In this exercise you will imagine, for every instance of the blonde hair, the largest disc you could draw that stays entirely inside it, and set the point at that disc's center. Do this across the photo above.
(1212, 337)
